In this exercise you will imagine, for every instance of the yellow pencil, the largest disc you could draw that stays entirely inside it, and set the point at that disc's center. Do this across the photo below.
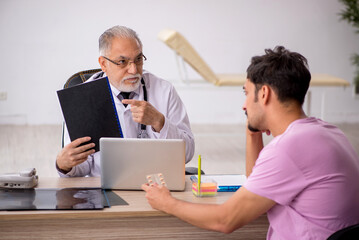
(199, 176)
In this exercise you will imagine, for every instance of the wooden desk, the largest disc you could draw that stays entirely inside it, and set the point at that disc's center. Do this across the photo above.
(134, 221)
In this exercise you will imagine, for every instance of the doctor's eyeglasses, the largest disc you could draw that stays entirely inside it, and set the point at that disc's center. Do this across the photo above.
(122, 63)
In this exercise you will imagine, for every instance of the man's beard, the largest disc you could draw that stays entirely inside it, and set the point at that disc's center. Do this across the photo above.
(130, 87)
(252, 129)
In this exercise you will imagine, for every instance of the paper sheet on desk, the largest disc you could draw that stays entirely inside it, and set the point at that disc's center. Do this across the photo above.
(226, 182)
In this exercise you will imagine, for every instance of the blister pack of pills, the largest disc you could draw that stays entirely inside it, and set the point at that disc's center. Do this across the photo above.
(156, 178)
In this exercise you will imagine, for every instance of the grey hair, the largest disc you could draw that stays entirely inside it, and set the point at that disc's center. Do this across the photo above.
(106, 38)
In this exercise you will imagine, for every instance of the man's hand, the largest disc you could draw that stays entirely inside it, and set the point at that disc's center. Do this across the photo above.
(157, 196)
(73, 154)
(258, 133)
(143, 112)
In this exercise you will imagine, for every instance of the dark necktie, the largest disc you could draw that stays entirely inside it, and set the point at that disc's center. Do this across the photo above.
(125, 95)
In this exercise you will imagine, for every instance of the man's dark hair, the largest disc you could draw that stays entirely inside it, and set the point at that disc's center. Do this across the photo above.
(284, 71)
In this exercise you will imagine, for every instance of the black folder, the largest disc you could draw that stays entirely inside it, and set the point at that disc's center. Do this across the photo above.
(89, 110)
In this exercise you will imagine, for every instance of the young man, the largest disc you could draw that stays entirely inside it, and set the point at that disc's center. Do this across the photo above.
(121, 60)
(304, 179)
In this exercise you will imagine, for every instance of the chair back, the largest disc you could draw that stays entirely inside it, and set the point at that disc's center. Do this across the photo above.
(80, 77)
(183, 48)
(348, 233)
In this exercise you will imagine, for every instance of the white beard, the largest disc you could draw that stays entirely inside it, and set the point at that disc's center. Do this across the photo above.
(130, 87)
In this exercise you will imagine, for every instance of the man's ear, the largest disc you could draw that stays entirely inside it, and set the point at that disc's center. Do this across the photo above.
(102, 62)
(265, 94)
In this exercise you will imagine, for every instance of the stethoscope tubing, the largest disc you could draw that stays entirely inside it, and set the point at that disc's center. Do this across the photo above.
(143, 127)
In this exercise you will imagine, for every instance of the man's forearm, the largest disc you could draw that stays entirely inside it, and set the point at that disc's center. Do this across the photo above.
(254, 144)
(240, 209)
(206, 216)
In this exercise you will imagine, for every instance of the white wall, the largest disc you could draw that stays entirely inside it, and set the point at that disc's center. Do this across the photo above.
(43, 42)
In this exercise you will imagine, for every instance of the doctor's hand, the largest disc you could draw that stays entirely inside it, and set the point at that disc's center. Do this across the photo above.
(143, 112)
(73, 154)
(159, 197)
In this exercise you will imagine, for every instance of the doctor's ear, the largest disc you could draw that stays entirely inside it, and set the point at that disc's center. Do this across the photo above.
(102, 62)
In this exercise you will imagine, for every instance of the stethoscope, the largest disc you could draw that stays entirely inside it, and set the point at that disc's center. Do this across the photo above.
(142, 131)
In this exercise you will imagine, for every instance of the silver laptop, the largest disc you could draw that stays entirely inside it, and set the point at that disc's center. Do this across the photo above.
(125, 162)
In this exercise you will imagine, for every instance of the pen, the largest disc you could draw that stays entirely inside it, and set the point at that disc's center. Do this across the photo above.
(199, 175)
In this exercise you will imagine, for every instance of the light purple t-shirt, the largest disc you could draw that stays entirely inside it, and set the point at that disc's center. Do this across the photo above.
(312, 172)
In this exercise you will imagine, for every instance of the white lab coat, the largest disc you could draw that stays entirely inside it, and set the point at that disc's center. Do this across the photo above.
(163, 96)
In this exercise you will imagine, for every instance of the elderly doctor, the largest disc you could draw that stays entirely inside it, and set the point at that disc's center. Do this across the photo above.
(162, 114)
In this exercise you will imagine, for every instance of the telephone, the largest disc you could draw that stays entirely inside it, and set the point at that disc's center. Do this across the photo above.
(24, 179)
